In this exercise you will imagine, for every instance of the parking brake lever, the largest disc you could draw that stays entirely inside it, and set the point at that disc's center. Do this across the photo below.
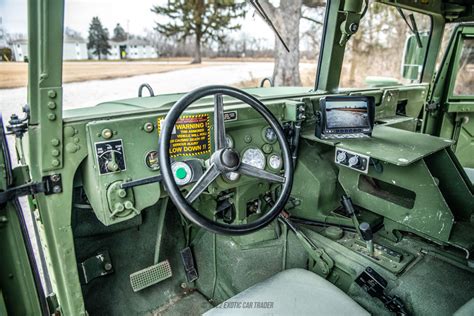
(349, 207)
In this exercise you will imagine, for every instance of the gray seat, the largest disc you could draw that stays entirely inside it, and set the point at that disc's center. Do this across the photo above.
(291, 292)
(470, 174)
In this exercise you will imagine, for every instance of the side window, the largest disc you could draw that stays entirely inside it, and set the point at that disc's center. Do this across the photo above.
(464, 84)
(385, 51)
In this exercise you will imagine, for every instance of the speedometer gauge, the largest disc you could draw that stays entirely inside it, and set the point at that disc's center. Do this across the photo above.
(254, 157)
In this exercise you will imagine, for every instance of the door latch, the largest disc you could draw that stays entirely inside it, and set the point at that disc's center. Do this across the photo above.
(51, 184)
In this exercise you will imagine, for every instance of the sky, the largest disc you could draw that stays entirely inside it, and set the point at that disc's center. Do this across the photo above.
(134, 16)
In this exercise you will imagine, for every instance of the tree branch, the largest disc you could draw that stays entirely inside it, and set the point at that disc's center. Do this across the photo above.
(312, 20)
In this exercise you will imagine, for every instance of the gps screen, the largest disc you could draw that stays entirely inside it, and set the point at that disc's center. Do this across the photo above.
(347, 114)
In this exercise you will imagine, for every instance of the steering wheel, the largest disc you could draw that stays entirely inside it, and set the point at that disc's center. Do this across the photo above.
(223, 160)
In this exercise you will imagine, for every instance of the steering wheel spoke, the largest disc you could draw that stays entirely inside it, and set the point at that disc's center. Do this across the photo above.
(219, 127)
(254, 172)
(210, 175)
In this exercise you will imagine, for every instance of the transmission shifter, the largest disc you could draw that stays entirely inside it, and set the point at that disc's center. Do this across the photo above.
(367, 236)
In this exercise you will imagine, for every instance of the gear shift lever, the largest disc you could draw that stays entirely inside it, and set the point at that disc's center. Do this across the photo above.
(349, 207)
(367, 236)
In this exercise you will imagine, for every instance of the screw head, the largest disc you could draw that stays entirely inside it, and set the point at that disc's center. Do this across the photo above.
(51, 116)
(51, 105)
(52, 94)
(57, 189)
(55, 162)
(107, 266)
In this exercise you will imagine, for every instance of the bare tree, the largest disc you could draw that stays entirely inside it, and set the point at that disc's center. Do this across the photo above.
(287, 18)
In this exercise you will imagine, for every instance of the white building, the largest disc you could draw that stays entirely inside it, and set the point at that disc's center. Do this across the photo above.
(75, 48)
(19, 49)
(131, 49)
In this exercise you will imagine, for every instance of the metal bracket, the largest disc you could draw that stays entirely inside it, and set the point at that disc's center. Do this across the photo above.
(97, 266)
(50, 185)
(432, 106)
(374, 284)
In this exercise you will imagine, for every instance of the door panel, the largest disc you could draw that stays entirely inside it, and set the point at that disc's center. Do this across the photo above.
(20, 287)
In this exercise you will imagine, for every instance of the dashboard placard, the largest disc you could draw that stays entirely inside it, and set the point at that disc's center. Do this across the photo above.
(191, 135)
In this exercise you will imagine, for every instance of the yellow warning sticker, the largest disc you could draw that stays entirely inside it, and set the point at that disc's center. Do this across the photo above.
(191, 135)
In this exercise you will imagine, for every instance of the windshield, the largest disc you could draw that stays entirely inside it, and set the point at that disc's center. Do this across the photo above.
(174, 46)
(375, 54)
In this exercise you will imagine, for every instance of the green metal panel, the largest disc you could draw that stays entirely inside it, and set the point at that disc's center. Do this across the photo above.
(430, 216)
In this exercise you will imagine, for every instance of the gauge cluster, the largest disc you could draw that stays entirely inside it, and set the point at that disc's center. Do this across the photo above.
(125, 150)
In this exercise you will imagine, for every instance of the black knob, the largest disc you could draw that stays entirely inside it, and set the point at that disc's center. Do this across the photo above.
(366, 231)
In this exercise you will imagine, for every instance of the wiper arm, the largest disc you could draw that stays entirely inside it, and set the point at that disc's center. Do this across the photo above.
(413, 27)
(259, 9)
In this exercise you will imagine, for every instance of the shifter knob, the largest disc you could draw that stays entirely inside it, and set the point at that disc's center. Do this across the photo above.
(366, 231)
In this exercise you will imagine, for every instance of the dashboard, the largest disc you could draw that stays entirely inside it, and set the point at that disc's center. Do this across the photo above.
(122, 172)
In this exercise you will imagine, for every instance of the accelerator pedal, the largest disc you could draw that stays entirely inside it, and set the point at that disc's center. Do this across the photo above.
(150, 276)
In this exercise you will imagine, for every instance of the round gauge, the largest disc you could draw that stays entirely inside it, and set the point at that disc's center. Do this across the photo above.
(269, 135)
(182, 173)
(254, 157)
(275, 162)
(229, 141)
(151, 160)
(232, 176)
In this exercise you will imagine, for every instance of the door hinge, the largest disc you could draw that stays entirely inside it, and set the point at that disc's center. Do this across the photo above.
(51, 184)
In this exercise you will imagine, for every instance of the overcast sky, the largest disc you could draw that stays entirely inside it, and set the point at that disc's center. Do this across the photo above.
(134, 15)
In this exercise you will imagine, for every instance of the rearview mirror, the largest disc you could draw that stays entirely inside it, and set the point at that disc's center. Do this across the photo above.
(414, 56)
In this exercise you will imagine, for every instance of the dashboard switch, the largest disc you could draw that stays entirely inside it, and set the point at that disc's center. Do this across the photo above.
(352, 160)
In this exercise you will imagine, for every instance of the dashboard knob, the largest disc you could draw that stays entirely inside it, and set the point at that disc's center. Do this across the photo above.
(341, 157)
(354, 161)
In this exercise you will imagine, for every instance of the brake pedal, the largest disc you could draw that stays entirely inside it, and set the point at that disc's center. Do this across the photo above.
(150, 276)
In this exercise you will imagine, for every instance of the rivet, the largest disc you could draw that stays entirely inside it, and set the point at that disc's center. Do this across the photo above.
(77, 139)
(55, 162)
(52, 94)
(106, 133)
(247, 138)
(52, 105)
(69, 131)
(55, 152)
(51, 116)
(55, 142)
(71, 148)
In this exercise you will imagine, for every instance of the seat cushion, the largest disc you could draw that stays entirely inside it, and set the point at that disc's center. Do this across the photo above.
(470, 174)
(291, 292)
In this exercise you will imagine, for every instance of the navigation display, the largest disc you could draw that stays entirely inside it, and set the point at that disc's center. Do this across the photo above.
(348, 114)
(345, 117)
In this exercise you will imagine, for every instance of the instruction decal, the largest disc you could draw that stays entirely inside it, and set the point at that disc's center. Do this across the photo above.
(191, 135)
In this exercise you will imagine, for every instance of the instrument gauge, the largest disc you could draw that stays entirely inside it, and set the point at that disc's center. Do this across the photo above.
(151, 160)
(254, 157)
(275, 162)
(269, 135)
(229, 141)
(182, 173)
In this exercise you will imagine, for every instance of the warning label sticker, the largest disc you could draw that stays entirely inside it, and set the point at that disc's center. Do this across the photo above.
(190, 136)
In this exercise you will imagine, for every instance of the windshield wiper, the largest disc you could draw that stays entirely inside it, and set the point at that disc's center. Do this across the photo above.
(413, 27)
(259, 9)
